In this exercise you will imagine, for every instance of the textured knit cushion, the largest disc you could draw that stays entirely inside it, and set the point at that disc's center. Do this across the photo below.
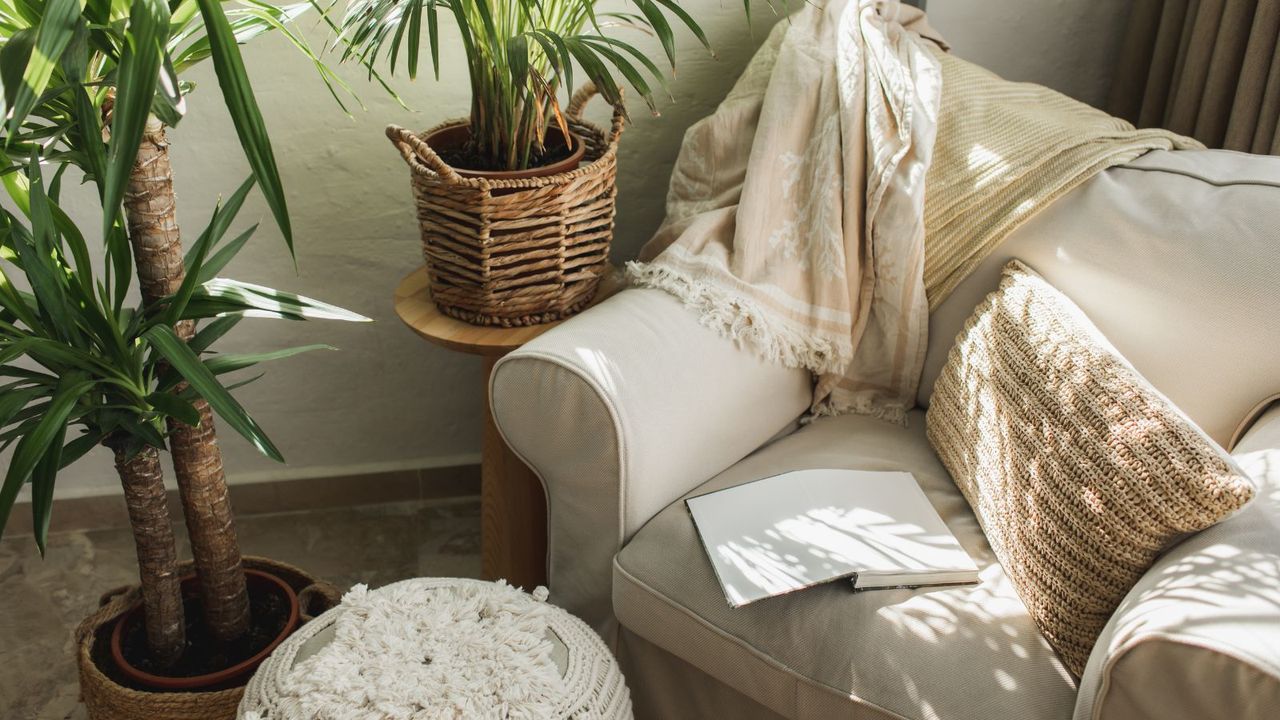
(1079, 471)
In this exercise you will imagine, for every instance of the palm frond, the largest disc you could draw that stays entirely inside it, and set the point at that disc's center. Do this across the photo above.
(520, 56)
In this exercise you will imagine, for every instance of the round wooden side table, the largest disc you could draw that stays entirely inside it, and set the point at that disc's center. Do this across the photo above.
(513, 517)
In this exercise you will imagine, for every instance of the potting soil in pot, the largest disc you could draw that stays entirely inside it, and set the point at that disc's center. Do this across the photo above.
(268, 613)
(465, 157)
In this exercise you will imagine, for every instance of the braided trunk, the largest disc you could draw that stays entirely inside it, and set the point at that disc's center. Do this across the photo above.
(150, 208)
(143, 481)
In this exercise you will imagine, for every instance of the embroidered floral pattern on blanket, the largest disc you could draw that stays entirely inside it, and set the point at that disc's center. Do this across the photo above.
(792, 272)
(796, 215)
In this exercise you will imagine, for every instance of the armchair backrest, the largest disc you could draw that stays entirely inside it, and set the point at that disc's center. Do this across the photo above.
(1176, 258)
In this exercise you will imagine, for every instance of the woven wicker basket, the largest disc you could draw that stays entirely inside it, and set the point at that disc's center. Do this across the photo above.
(516, 252)
(106, 698)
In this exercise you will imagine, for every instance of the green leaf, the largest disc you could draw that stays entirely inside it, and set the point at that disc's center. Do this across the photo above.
(12, 435)
(596, 70)
(120, 257)
(57, 25)
(80, 447)
(689, 22)
(98, 11)
(87, 130)
(433, 36)
(30, 376)
(245, 115)
(414, 25)
(75, 242)
(486, 22)
(173, 349)
(40, 260)
(14, 58)
(31, 448)
(175, 407)
(635, 53)
(14, 400)
(210, 333)
(136, 81)
(141, 433)
(15, 182)
(42, 481)
(225, 255)
(628, 71)
(246, 381)
(518, 60)
(60, 357)
(280, 19)
(169, 105)
(222, 219)
(660, 27)
(14, 301)
(230, 362)
(554, 46)
(252, 300)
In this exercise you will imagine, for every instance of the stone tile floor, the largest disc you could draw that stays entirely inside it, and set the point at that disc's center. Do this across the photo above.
(41, 601)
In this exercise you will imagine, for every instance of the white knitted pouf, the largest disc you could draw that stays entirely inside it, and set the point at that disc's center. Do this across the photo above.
(440, 648)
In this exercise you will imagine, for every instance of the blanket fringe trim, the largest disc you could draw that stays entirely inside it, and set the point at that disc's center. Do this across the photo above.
(830, 407)
(738, 319)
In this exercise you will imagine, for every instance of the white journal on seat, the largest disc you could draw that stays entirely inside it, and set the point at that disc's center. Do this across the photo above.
(798, 529)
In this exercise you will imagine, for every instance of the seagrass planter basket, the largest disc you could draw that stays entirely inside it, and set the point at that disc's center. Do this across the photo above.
(107, 695)
(514, 252)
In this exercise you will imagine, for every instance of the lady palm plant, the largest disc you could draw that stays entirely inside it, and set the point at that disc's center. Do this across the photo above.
(92, 85)
(519, 54)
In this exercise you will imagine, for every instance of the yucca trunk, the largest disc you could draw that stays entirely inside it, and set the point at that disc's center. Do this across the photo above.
(143, 481)
(150, 209)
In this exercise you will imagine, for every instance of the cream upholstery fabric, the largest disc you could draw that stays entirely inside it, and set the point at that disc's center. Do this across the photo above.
(1079, 471)
(827, 652)
(1176, 258)
(621, 412)
(676, 690)
(1199, 636)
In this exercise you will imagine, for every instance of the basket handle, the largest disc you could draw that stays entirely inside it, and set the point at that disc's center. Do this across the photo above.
(580, 100)
(419, 154)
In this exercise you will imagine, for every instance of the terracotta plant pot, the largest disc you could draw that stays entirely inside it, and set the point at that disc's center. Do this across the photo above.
(457, 134)
(108, 695)
(258, 582)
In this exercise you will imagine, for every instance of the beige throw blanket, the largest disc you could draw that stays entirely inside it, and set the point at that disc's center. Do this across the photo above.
(798, 220)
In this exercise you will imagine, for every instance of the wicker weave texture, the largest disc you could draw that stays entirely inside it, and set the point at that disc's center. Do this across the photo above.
(1079, 471)
(107, 699)
(516, 252)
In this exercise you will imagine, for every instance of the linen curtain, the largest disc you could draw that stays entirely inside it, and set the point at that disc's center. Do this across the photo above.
(1205, 68)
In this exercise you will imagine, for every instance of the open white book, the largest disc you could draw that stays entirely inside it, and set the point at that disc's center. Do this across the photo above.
(802, 528)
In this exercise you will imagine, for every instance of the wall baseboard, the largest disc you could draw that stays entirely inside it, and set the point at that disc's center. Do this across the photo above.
(101, 512)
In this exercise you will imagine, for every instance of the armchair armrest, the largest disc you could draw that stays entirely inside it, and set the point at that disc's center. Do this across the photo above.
(622, 410)
(1199, 636)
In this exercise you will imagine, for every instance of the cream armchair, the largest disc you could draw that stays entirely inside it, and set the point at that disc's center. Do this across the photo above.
(633, 405)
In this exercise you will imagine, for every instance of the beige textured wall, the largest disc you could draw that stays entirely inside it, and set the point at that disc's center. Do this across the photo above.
(1069, 45)
(387, 399)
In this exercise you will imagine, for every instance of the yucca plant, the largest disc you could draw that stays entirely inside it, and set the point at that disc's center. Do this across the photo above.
(102, 372)
(520, 54)
(92, 84)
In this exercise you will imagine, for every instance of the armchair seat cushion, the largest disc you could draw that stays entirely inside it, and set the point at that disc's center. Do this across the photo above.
(828, 652)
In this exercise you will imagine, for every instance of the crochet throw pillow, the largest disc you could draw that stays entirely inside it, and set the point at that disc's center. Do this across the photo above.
(1079, 471)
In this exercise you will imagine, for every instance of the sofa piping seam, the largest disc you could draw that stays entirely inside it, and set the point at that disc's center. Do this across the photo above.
(1147, 638)
(753, 650)
(1202, 178)
(614, 416)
